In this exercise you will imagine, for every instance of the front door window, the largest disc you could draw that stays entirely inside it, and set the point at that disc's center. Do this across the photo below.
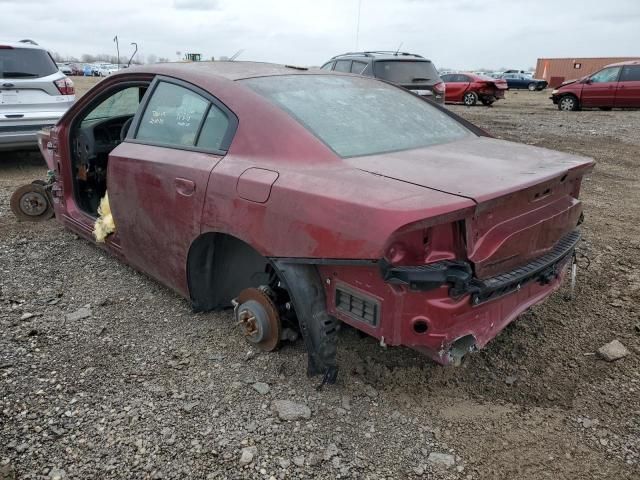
(605, 76)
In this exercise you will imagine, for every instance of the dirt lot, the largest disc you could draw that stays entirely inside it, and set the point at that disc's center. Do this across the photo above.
(143, 388)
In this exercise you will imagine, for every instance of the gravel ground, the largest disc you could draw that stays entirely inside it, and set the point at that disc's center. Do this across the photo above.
(106, 374)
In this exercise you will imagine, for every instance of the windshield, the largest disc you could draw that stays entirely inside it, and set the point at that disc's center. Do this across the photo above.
(406, 72)
(25, 63)
(357, 116)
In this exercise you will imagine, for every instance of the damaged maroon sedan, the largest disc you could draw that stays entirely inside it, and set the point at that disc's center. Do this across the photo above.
(305, 199)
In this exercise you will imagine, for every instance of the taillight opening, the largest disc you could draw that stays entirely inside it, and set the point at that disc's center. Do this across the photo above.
(65, 86)
(440, 87)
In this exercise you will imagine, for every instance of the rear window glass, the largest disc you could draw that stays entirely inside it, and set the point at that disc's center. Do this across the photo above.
(357, 116)
(25, 63)
(406, 72)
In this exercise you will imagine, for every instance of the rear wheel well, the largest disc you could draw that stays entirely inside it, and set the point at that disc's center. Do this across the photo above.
(220, 266)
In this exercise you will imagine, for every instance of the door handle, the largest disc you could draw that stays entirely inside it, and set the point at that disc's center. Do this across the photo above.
(184, 186)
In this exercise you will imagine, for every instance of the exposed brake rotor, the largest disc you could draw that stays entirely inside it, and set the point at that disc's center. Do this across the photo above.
(258, 316)
(31, 203)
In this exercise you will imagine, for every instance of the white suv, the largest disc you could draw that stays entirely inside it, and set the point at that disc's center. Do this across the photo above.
(33, 93)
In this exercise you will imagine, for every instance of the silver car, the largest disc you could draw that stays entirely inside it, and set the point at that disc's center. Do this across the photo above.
(33, 94)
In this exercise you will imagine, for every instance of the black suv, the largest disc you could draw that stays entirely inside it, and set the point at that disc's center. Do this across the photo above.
(408, 70)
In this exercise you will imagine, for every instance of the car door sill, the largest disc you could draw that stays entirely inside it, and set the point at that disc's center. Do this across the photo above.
(85, 230)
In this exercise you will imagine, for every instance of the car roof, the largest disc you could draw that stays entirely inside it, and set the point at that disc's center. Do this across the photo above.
(21, 45)
(382, 55)
(474, 76)
(628, 62)
(230, 70)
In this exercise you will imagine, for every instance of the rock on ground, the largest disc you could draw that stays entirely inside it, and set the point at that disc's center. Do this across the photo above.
(442, 459)
(613, 350)
(289, 411)
(247, 455)
(79, 314)
(261, 388)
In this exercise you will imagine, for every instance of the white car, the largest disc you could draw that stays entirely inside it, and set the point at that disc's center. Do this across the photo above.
(106, 69)
(65, 68)
(34, 94)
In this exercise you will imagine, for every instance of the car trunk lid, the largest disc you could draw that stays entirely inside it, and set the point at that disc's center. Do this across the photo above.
(526, 197)
(500, 83)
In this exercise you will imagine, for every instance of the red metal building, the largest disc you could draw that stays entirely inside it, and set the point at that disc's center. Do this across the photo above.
(557, 70)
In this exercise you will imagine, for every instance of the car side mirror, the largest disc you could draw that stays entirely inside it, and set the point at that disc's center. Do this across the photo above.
(587, 81)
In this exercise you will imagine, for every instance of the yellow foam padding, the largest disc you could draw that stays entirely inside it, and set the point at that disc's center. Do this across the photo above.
(104, 224)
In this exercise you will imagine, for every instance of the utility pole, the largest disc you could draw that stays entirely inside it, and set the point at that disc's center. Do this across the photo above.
(358, 24)
(133, 54)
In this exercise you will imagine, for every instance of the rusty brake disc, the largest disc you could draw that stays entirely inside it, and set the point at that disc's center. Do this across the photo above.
(259, 318)
(31, 203)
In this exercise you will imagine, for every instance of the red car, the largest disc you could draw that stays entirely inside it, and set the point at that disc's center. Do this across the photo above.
(468, 88)
(616, 85)
(307, 198)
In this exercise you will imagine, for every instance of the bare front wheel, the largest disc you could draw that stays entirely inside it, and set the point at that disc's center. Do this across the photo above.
(532, 87)
(31, 203)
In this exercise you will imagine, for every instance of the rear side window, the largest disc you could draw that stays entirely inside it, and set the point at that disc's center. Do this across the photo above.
(356, 116)
(630, 73)
(26, 63)
(178, 116)
(172, 116)
(214, 129)
(342, 66)
(358, 67)
(407, 71)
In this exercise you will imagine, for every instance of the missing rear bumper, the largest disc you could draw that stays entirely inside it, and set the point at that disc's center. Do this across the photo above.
(461, 281)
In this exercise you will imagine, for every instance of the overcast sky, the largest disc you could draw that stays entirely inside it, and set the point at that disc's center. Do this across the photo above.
(464, 34)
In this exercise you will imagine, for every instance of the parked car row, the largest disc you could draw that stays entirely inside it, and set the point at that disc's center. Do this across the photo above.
(89, 69)
(419, 75)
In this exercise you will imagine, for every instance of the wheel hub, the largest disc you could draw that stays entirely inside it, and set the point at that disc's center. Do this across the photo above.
(258, 317)
(33, 204)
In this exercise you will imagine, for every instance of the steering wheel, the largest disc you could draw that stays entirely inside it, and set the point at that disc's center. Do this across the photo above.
(125, 129)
